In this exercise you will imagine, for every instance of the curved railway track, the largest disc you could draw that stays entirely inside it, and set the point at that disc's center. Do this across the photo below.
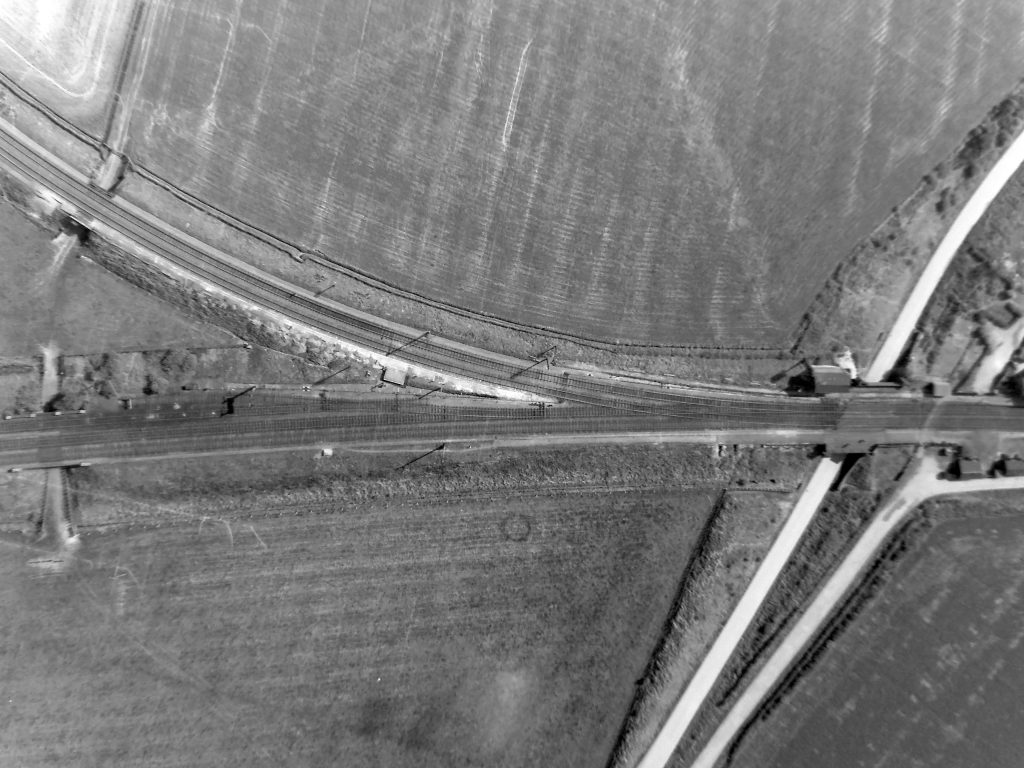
(263, 290)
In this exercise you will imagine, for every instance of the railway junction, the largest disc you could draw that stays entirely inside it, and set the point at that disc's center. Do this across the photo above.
(559, 405)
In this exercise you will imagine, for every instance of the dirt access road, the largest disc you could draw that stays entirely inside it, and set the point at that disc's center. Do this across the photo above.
(721, 651)
(913, 308)
(664, 744)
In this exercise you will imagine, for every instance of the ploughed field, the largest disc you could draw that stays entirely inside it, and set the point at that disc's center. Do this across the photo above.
(502, 629)
(659, 173)
(929, 672)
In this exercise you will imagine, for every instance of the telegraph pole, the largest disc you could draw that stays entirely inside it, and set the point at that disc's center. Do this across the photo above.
(331, 375)
(544, 357)
(409, 343)
(422, 456)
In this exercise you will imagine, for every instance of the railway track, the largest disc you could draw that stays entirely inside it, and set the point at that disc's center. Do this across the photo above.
(385, 424)
(220, 269)
(593, 396)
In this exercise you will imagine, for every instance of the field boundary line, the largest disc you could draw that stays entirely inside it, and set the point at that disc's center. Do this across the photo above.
(22, 95)
(319, 257)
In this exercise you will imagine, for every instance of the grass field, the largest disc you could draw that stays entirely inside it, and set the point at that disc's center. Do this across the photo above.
(47, 297)
(617, 170)
(928, 670)
(497, 631)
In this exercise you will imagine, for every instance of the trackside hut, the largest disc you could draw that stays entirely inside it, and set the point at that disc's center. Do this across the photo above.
(829, 378)
(970, 469)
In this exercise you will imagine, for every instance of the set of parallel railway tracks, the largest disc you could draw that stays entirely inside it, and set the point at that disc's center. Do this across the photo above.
(593, 402)
(382, 337)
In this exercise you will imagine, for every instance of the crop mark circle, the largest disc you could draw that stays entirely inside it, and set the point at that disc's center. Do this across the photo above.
(516, 528)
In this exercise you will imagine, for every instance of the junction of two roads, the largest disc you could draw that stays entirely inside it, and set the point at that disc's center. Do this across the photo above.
(572, 406)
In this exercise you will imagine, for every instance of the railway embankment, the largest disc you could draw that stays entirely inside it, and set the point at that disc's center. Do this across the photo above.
(863, 297)
(215, 305)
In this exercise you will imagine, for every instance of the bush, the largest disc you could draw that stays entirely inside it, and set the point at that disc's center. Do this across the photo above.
(178, 364)
(26, 399)
(155, 384)
(74, 396)
(172, 360)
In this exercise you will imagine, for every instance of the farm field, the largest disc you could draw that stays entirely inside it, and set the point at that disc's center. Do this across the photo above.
(66, 53)
(927, 672)
(617, 171)
(506, 630)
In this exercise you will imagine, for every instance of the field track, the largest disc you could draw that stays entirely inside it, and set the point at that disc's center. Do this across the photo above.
(69, 54)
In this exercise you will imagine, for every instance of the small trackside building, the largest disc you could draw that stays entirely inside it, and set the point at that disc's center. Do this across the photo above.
(395, 375)
(938, 388)
(829, 379)
(970, 469)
